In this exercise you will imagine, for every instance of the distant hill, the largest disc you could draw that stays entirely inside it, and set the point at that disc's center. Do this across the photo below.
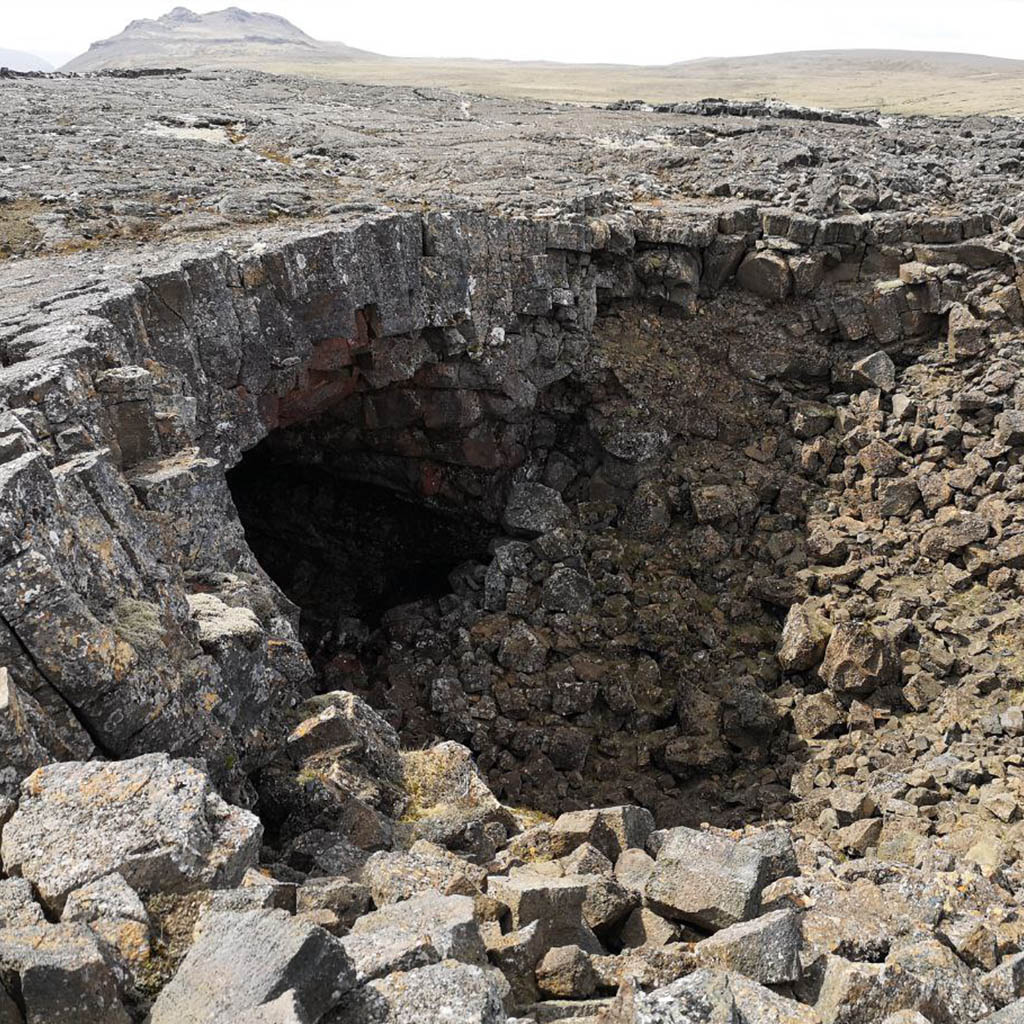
(231, 37)
(18, 61)
(843, 61)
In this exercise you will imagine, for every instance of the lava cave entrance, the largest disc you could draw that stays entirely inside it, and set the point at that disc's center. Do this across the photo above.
(344, 550)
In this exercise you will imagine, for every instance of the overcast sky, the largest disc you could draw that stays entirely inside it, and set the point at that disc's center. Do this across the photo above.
(654, 32)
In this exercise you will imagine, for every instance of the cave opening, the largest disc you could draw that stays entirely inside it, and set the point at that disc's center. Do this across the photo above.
(346, 550)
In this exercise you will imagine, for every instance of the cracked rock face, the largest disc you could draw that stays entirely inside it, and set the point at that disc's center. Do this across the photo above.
(567, 566)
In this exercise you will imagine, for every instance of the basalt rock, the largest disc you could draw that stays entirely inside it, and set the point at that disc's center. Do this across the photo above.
(588, 581)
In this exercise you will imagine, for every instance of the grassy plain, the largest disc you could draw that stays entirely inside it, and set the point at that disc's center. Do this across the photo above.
(891, 81)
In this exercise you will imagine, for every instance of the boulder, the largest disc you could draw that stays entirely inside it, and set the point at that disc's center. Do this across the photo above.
(706, 879)
(533, 509)
(114, 913)
(967, 335)
(59, 974)
(610, 829)
(555, 901)
(858, 660)
(426, 868)
(154, 820)
(766, 949)
(240, 960)
(633, 868)
(565, 972)
(453, 993)
(805, 636)
(876, 371)
(378, 953)
(448, 921)
(18, 905)
(767, 274)
(717, 997)
(644, 927)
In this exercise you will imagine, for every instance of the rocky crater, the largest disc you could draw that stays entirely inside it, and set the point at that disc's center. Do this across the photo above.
(596, 602)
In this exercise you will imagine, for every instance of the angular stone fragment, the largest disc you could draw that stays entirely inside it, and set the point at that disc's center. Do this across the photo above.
(445, 778)
(60, 975)
(775, 845)
(378, 953)
(644, 927)
(1013, 1013)
(286, 1009)
(766, 949)
(533, 508)
(586, 860)
(516, 954)
(879, 458)
(346, 899)
(767, 274)
(1010, 427)
(805, 635)
(29, 739)
(897, 497)
(633, 868)
(241, 960)
(555, 901)
(565, 972)
(340, 719)
(154, 820)
(1005, 983)
(706, 880)
(816, 714)
(856, 993)
(607, 903)
(17, 904)
(398, 875)
(449, 921)
(951, 991)
(859, 837)
(453, 993)
(610, 829)
(858, 660)
(811, 419)
(115, 914)
(718, 997)
(967, 335)
(876, 371)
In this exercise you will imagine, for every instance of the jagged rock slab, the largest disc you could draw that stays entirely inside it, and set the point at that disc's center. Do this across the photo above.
(154, 820)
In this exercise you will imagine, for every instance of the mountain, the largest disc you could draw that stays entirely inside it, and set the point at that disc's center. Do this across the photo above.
(228, 37)
(18, 61)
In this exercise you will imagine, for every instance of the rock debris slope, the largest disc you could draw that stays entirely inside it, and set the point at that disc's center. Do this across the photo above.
(567, 567)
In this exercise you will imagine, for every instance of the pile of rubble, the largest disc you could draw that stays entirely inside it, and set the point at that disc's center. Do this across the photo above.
(132, 880)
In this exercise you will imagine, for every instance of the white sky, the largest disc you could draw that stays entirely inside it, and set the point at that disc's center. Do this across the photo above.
(652, 32)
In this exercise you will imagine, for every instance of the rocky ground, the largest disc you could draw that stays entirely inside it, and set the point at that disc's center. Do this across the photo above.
(567, 567)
